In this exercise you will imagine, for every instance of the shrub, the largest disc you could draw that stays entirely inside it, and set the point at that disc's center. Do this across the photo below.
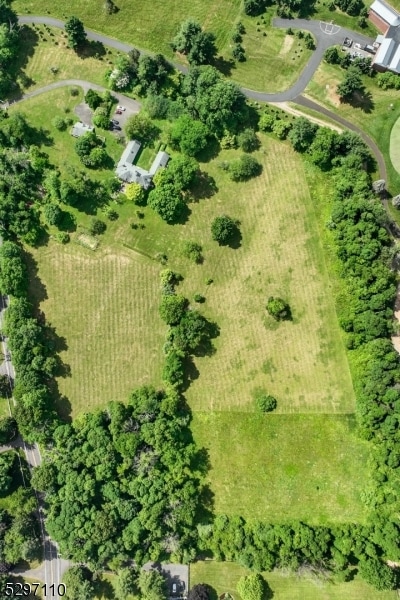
(172, 308)
(265, 402)
(248, 140)
(266, 122)
(97, 227)
(52, 213)
(192, 250)
(199, 298)
(244, 168)
(62, 237)
(59, 123)
(223, 228)
(278, 308)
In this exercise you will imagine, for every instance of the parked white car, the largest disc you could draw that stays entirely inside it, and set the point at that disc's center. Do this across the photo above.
(121, 108)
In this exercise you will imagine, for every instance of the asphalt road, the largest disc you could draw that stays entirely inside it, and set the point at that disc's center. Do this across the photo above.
(325, 37)
(52, 567)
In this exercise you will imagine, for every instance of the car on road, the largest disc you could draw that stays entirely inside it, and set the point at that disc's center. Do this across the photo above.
(118, 112)
(119, 107)
(174, 588)
(114, 121)
(115, 127)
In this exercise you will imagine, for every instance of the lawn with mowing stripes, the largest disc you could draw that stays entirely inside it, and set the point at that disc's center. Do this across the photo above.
(139, 23)
(395, 145)
(223, 577)
(103, 304)
(282, 467)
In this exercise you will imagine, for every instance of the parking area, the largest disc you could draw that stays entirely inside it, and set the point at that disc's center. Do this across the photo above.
(176, 576)
(357, 50)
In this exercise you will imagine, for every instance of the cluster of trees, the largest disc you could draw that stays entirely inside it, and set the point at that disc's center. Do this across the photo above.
(9, 45)
(122, 482)
(141, 72)
(91, 151)
(189, 333)
(388, 81)
(102, 105)
(196, 44)
(342, 549)
(31, 355)
(21, 169)
(167, 197)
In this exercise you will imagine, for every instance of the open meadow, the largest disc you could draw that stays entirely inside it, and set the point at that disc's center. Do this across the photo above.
(223, 577)
(278, 468)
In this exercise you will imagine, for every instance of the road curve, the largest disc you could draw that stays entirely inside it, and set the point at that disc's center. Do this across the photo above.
(324, 37)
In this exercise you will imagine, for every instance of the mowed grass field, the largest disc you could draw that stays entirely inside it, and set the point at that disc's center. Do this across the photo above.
(223, 577)
(45, 48)
(104, 305)
(283, 467)
(144, 25)
(274, 60)
(395, 145)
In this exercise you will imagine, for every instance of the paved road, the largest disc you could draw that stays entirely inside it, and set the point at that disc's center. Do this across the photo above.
(321, 32)
(52, 567)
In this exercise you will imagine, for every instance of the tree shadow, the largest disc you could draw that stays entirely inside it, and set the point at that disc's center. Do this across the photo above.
(210, 151)
(92, 49)
(206, 347)
(37, 290)
(307, 9)
(67, 222)
(223, 65)
(62, 405)
(235, 239)
(268, 594)
(361, 99)
(103, 589)
(190, 372)
(204, 186)
(29, 39)
(183, 216)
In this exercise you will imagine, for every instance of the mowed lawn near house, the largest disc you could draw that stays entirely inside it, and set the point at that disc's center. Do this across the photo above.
(143, 24)
(45, 58)
(277, 468)
(223, 577)
(274, 60)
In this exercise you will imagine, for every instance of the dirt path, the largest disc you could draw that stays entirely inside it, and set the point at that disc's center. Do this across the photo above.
(298, 113)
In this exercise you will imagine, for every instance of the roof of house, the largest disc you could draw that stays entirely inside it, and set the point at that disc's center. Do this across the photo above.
(80, 129)
(161, 160)
(385, 52)
(127, 171)
(386, 12)
(395, 61)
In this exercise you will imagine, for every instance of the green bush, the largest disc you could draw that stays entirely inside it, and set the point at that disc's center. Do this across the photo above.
(59, 123)
(97, 227)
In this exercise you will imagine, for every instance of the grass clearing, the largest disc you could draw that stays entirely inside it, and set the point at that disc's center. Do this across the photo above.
(274, 60)
(136, 24)
(283, 467)
(103, 306)
(395, 145)
(45, 48)
(223, 577)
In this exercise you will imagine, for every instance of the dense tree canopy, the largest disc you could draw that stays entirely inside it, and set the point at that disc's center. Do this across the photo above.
(122, 481)
(198, 45)
(76, 32)
(189, 135)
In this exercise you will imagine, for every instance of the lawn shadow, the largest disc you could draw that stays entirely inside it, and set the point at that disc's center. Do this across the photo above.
(62, 404)
(361, 100)
(29, 39)
(223, 65)
(235, 239)
(190, 372)
(67, 222)
(183, 216)
(210, 151)
(204, 186)
(103, 589)
(206, 347)
(92, 49)
(37, 289)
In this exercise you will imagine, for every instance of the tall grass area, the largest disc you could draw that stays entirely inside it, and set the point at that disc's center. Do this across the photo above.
(223, 577)
(144, 25)
(278, 468)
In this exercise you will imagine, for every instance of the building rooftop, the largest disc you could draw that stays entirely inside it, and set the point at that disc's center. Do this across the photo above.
(80, 129)
(386, 12)
(127, 171)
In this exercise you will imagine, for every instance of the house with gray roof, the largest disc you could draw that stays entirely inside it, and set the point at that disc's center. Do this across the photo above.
(128, 172)
(79, 129)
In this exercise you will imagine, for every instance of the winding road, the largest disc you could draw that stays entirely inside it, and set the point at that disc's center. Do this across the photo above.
(325, 34)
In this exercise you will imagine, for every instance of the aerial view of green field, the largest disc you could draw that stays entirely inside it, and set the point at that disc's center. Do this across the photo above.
(198, 276)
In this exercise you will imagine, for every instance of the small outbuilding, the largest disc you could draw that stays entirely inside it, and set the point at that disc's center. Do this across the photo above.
(80, 129)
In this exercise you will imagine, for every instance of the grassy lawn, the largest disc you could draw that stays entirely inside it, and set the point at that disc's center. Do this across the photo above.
(375, 113)
(41, 110)
(139, 25)
(223, 577)
(395, 146)
(44, 48)
(284, 467)
(274, 60)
